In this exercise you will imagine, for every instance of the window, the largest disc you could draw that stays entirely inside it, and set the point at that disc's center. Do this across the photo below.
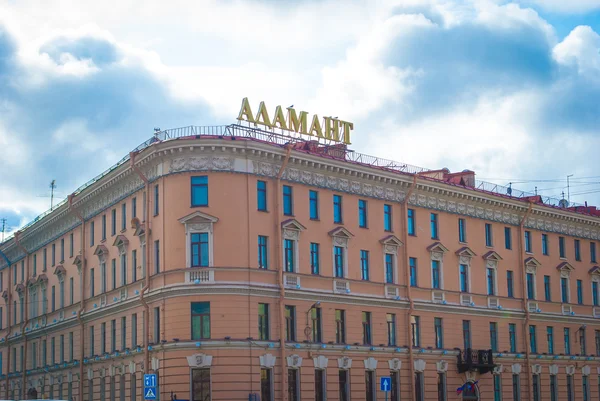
(439, 332)
(530, 286)
(494, 336)
(497, 388)
(593, 252)
(413, 271)
(441, 386)
(544, 244)
(156, 206)
(134, 330)
(597, 338)
(507, 238)
(387, 217)
(338, 254)
(113, 271)
(103, 233)
(536, 387)
(263, 322)
(370, 383)
(582, 349)
(262, 251)
(547, 292)
(53, 255)
(585, 388)
(201, 385)
(261, 195)
(44, 353)
(362, 213)
(92, 340)
(570, 389)
(595, 293)
(419, 387)
(316, 325)
(564, 289)
(467, 334)
(561, 247)
(516, 389)
(416, 331)
(553, 388)
(314, 205)
(462, 235)
(199, 250)
(464, 278)
(550, 339)
(290, 323)
(133, 265)
(528, 241)
(200, 321)
(314, 258)
(92, 229)
(123, 269)
(366, 324)
(532, 340)
(433, 223)
(123, 217)
(411, 222)
(577, 245)
(113, 335)
(344, 385)
(123, 332)
(289, 255)
(579, 292)
(337, 209)
(266, 384)
(491, 281)
(512, 337)
(103, 278)
(435, 274)
(510, 284)
(567, 336)
(62, 249)
(364, 264)
(157, 325)
(391, 329)
(113, 221)
(288, 206)
(488, 234)
(61, 349)
(395, 384)
(389, 268)
(134, 207)
(293, 386)
(156, 256)
(71, 245)
(53, 298)
(71, 291)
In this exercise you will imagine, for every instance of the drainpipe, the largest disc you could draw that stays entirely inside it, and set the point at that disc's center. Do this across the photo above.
(411, 304)
(26, 307)
(8, 316)
(279, 258)
(147, 278)
(524, 287)
(81, 293)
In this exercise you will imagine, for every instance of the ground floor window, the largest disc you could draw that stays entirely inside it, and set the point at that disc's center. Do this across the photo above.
(370, 385)
(113, 384)
(516, 388)
(121, 388)
(91, 390)
(586, 388)
(536, 387)
(441, 386)
(266, 385)
(200, 385)
(293, 385)
(320, 380)
(133, 386)
(570, 389)
(395, 390)
(470, 392)
(497, 388)
(344, 385)
(419, 389)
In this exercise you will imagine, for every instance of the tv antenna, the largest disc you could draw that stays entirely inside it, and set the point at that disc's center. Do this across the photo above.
(52, 187)
(568, 189)
(3, 221)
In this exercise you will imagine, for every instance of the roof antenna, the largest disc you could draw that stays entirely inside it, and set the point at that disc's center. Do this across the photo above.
(509, 190)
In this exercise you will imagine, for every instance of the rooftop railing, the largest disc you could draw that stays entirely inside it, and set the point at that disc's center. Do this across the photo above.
(281, 139)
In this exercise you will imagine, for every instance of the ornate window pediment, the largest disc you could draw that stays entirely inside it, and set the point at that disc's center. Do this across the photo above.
(291, 229)
(5, 295)
(437, 250)
(32, 281)
(199, 221)
(465, 251)
(531, 264)
(60, 272)
(391, 243)
(565, 269)
(121, 242)
(340, 236)
(102, 252)
(140, 230)
(20, 288)
(491, 259)
(198, 230)
(595, 271)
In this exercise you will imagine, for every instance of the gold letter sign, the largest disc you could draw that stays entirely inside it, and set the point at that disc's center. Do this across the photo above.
(329, 128)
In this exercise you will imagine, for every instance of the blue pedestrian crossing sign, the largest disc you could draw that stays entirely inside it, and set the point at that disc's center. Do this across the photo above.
(385, 383)
(150, 383)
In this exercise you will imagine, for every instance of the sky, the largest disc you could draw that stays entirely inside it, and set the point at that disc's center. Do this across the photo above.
(509, 89)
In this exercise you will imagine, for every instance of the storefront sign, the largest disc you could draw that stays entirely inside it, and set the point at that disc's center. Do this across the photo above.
(329, 128)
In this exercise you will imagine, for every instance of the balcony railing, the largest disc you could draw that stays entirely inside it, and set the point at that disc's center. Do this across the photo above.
(481, 361)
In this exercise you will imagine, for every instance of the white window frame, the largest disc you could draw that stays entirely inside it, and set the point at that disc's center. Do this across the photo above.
(491, 262)
(340, 237)
(565, 272)
(391, 245)
(531, 266)
(198, 223)
(437, 252)
(290, 230)
(595, 279)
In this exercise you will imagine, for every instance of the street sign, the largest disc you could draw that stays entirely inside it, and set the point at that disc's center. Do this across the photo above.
(149, 393)
(385, 383)
(150, 383)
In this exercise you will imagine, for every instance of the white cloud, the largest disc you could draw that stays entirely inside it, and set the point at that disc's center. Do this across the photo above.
(565, 6)
(580, 49)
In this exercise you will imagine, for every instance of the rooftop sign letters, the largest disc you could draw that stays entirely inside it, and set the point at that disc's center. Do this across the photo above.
(328, 128)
